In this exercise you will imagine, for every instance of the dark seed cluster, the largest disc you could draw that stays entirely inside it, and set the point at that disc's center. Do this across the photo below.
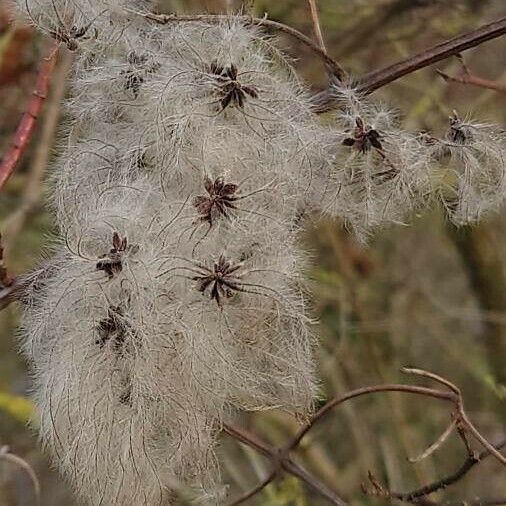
(229, 90)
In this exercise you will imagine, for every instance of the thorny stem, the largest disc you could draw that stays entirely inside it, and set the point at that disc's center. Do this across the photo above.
(27, 125)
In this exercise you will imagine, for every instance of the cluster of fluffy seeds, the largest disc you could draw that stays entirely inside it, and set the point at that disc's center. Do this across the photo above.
(382, 174)
(475, 154)
(175, 296)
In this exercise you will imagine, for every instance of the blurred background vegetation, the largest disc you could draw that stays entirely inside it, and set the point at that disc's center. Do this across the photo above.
(425, 295)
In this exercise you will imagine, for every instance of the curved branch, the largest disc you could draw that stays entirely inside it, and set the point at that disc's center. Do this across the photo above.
(7, 456)
(325, 410)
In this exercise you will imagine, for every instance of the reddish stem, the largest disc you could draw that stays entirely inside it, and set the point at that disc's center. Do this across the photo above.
(26, 127)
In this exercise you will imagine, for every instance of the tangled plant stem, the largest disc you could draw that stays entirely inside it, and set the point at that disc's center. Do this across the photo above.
(282, 461)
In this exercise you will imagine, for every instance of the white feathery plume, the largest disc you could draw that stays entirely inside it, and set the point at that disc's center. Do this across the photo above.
(381, 172)
(475, 156)
(175, 295)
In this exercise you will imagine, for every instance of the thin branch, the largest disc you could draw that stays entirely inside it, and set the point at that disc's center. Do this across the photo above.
(27, 125)
(326, 100)
(165, 19)
(256, 490)
(463, 421)
(316, 24)
(5, 280)
(316, 486)
(433, 376)
(380, 78)
(40, 159)
(437, 444)
(474, 432)
(281, 461)
(465, 76)
(329, 406)
(25, 466)
(250, 440)
(469, 463)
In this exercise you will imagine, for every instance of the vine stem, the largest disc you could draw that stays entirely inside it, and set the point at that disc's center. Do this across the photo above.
(281, 459)
(313, 8)
(28, 122)
(326, 100)
(7, 456)
(465, 76)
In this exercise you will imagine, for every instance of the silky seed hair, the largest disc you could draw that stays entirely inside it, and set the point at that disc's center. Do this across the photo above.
(186, 313)
(473, 158)
(383, 174)
(175, 295)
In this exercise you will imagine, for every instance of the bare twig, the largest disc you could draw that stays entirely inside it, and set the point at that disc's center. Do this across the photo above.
(316, 24)
(282, 461)
(49, 123)
(435, 377)
(465, 76)
(463, 422)
(326, 100)
(437, 444)
(414, 495)
(7, 456)
(327, 408)
(255, 490)
(5, 280)
(27, 125)
(315, 18)
(164, 19)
